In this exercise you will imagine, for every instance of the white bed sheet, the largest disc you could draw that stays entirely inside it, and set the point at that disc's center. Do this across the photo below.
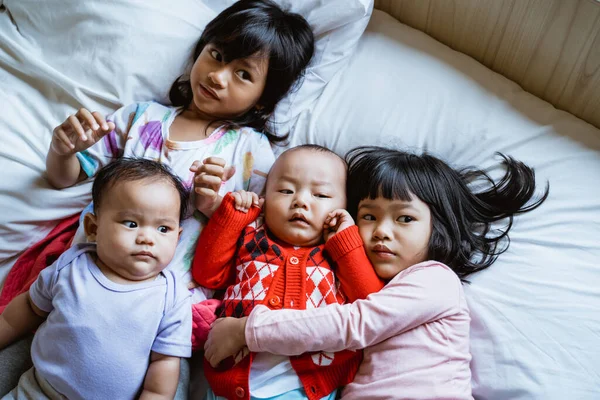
(536, 320)
(536, 325)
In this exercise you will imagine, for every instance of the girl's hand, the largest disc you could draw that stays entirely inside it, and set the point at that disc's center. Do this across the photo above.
(244, 200)
(226, 338)
(336, 221)
(209, 176)
(79, 132)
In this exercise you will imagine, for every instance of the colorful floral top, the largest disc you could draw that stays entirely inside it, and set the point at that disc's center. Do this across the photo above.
(142, 130)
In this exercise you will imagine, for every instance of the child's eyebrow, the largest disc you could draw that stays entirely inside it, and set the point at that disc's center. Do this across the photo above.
(137, 215)
(167, 220)
(292, 179)
(395, 207)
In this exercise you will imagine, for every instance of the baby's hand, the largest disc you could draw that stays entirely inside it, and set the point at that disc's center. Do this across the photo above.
(244, 200)
(336, 221)
(79, 132)
(209, 176)
(226, 338)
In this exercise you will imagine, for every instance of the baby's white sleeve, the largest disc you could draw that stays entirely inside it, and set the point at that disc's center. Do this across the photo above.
(41, 290)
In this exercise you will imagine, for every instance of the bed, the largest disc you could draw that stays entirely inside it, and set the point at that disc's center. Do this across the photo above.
(535, 322)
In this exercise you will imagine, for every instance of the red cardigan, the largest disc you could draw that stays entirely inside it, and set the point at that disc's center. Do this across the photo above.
(257, 269)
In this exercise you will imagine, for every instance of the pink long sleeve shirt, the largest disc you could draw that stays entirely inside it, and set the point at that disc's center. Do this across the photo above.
(415, 333)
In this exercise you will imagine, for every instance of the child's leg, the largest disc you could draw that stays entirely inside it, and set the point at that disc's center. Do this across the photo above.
(14, 361)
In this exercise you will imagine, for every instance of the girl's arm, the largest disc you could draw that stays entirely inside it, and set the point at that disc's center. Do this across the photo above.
(218, 243)
(424, 294)
(161, 378)
(20, 317)
(428, 292)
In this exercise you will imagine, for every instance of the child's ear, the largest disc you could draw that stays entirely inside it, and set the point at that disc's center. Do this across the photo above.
(179, 234)
(90, 227)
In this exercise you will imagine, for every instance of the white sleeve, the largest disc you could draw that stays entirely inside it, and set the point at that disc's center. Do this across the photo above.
(41, 291)
(422, 296)
(174, 336)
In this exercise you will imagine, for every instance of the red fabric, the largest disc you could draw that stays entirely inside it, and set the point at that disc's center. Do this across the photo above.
(42, 254)
(260, 271)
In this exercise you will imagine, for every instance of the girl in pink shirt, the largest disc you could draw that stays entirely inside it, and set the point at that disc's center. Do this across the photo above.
(424, 230)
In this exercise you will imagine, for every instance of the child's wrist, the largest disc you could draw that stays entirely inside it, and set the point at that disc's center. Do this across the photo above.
(242, 331)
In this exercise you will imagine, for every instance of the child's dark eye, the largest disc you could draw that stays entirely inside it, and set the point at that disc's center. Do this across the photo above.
(323, 196)
(406, 219)
(243, 74)
(368, 217)
(216, 55)
(286, 191)
(164, 229)
(130, 224)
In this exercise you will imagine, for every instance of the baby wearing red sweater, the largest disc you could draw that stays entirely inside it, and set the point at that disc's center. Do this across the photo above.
(286, 259)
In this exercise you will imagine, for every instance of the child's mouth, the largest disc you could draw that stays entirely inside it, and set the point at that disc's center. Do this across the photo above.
(299, 219)
(207, 92)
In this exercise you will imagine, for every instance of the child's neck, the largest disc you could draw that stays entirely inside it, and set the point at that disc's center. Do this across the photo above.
(190, 126)
(113, 276)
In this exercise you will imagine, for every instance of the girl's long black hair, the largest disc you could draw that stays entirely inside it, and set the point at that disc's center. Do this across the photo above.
(244, 29)
(462, 236)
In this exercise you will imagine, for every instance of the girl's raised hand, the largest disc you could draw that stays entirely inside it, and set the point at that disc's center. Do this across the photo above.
(79, 132)
(336, 221)
(244, 200)
(209, 175)
(226, 338)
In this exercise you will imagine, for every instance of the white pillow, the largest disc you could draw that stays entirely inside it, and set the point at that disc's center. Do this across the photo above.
(536, 320)
(57, 56)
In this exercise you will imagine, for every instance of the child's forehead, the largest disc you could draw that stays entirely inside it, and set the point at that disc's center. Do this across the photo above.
(309, 156)
(309, 164)
(123, 193)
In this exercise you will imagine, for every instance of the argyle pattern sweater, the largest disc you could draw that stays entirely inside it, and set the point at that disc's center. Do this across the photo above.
(237, 253)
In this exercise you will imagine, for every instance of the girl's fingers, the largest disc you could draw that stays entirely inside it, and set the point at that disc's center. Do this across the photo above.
(88, 119)
(62, 138)
(76, 126)
(205, 192)
(208, 180)
(99, 119)
(211, 169)
(195, 165)
(214, 161)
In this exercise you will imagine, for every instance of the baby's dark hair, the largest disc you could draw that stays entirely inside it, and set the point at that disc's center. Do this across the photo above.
(126, 169)
(462, 236)
(249, 27)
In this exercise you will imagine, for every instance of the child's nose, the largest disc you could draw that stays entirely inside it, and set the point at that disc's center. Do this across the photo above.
(145, 236)
(381, 231)
(219, 77)
(300, 201)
